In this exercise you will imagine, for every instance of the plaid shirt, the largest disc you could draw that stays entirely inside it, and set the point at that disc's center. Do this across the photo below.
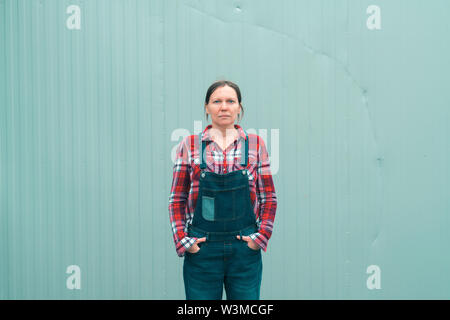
(185, 183)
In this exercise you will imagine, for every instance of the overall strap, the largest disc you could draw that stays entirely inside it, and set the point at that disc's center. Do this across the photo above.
(244, 151)
(201, 148)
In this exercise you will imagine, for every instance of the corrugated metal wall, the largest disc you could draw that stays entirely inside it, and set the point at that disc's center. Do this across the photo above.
(356, 121)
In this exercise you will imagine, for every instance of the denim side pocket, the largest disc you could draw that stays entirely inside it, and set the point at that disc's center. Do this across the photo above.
(208, 208)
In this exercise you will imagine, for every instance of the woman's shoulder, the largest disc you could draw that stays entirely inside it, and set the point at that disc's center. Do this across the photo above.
(189, 139)
(255, 141)
(189, 144)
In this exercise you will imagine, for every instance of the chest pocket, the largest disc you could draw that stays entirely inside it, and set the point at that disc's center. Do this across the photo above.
(224, 205)
(208, 205)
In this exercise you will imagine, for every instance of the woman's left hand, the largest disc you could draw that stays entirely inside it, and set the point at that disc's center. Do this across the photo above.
(250, 243)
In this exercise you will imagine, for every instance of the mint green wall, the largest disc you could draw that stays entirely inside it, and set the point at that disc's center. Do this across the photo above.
(356, 122)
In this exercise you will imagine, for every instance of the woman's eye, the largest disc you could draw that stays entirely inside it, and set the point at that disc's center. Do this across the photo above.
(218, 101)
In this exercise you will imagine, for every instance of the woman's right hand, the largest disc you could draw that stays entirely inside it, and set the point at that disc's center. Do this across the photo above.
(195, 248)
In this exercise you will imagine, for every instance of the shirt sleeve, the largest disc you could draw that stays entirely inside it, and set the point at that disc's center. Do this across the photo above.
(178, 199)
(265, 191)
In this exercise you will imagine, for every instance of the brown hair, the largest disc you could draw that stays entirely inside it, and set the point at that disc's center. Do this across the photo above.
(223, 83)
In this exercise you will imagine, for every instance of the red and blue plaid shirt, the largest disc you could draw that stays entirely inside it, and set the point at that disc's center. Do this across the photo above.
(185, 183)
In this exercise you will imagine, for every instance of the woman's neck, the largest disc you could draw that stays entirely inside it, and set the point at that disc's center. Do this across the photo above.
(224, 133)
(224, 136)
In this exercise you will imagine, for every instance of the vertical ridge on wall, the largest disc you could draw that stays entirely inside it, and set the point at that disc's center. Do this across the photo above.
(4, 266)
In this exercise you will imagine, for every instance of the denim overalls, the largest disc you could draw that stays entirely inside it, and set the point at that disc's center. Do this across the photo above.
(223, 211)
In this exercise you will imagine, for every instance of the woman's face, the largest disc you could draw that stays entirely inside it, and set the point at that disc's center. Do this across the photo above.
(223, 107)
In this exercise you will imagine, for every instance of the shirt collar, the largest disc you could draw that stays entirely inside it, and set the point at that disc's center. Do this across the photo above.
(206, 132)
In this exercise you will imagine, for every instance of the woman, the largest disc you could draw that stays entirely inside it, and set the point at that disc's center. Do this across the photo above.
(222, 204)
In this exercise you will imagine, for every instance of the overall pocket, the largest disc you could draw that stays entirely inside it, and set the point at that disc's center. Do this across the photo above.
(248, 249)
(208, 208)
(226, 204)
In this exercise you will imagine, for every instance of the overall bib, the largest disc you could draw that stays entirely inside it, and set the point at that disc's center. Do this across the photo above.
(223, 211)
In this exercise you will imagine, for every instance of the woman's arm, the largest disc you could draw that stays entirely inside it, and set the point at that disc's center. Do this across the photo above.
(265, 191)
(178, 199)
